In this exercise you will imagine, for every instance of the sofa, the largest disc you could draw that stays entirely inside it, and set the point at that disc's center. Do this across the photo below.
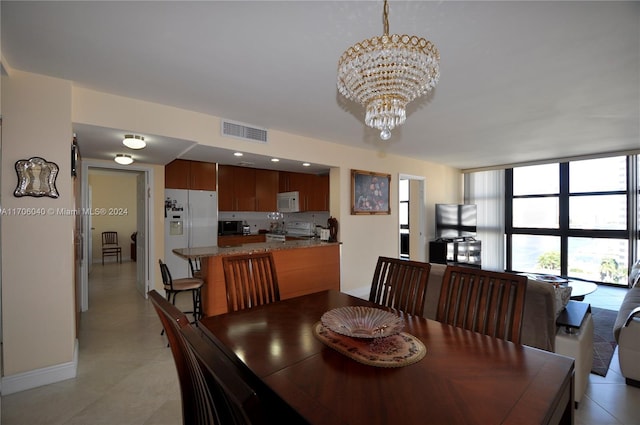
(626, 330)
(539, 328)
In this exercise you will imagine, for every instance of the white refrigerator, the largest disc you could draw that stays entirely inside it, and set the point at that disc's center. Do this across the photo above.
(191, 221)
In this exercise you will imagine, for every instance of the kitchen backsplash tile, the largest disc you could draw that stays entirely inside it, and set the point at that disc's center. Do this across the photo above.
(259, 220)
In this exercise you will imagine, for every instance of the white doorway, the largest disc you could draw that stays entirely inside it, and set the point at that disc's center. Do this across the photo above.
(143, 218)
(412, 218)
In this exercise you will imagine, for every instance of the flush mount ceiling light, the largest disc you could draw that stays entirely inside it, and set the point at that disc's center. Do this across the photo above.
(385, 73)
(133, 141)
(123, 159)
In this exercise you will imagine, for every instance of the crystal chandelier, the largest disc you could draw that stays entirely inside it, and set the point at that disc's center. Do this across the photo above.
(385, 73)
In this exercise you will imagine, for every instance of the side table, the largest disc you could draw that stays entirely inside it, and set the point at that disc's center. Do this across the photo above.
(574, 338)
(573, 315)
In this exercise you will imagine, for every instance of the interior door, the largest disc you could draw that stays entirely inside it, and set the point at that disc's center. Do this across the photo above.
(88, 232)
(417, 218)
(142, 198)
(417, 235)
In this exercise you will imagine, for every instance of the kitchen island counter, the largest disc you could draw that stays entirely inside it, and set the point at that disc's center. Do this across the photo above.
(303, 266)
(247, 248)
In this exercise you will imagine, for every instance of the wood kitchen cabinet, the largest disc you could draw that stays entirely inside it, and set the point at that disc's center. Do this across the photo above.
(313, 189)
(236, 188)
(251, 189)
(195, 175)
(319, 195)
(266, 187)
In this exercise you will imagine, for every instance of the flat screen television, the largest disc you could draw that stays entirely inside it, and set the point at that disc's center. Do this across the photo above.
(456, 221)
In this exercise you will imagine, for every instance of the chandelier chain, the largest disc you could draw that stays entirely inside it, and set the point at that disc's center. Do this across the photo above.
(385, 16)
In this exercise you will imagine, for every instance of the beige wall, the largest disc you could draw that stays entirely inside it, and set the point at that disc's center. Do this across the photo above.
(114, 191)
(38, 301)
(37, 252)
(364, 238)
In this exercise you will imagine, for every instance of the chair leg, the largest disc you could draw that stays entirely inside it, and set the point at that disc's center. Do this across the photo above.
(174, 303)
(197, 305)
(194, 297)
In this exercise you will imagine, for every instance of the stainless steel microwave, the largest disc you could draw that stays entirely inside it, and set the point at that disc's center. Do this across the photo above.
(289, 202)
(229, 227)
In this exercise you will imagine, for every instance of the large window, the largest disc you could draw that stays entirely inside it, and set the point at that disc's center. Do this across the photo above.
(576, 219)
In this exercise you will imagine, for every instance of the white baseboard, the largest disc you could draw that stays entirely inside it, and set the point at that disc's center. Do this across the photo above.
(39, 377)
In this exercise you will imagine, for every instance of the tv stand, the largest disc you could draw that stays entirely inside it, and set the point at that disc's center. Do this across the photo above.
(464, 252)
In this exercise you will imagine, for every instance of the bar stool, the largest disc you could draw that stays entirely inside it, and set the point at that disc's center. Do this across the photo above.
(173, 287)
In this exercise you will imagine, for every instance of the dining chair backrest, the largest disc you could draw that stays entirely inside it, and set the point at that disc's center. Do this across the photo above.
(400, 284)
(241, 401)
(167, 280)
(201, 404)
(491, 303)
(109, 238)
(250, 279)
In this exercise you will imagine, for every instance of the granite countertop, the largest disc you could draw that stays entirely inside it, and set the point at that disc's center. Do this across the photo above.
(214, 251)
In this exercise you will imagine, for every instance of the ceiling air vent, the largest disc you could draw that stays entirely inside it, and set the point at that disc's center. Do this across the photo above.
(243, 131)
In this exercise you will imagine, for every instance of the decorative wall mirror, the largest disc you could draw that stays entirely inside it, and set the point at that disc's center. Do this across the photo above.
(36, 177)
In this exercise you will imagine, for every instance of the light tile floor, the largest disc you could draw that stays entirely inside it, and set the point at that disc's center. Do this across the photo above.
(126, 374)
(608, 400)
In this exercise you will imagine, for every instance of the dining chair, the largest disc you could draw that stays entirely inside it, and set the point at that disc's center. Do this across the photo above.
(491, 303)
(400, 284)
(239, 403)
(173, 287)
(250, 279)
(110, 246)
(202, 404)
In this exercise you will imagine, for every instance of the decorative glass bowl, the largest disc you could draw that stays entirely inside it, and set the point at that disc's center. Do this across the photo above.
(362, 322)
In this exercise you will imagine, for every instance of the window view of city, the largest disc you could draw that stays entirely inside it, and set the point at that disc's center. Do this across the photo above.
(570, 219)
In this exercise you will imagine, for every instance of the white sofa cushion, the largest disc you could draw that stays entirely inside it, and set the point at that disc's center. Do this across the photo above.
(629, 303)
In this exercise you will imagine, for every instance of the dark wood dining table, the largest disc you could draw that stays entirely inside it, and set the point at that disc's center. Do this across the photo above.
(464, 378)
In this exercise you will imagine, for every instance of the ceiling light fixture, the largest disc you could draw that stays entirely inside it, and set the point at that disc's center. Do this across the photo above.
(385, 73)
(275, 160)
(237, 154)
(133, 141)
(123, 159)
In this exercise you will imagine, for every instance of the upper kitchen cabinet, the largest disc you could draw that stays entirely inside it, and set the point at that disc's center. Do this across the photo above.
(313, 189)
(266, 190)
(236, 188)
(319, 196)
(194, 175)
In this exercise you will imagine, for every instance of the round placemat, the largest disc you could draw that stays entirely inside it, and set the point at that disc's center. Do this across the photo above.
(397, 350)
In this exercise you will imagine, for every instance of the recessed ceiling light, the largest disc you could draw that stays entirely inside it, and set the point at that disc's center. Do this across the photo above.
(133, 141)
(306, 164)
(275, 160)
(238, 154)
(123, 159)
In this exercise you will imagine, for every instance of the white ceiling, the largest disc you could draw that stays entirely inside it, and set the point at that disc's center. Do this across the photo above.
(520, 81)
